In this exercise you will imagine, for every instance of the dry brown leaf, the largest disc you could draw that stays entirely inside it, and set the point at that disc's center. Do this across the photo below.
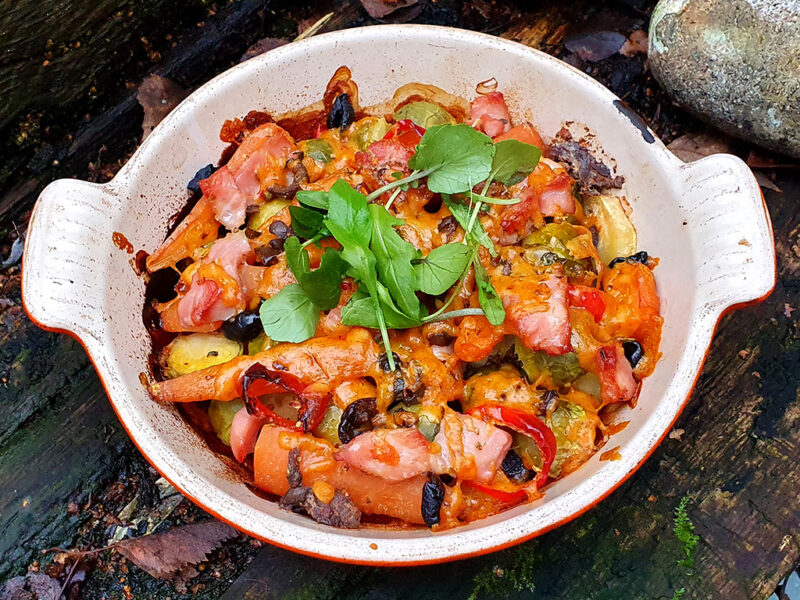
(694, 146)
(378, 9)
(164, 554)
(33, 586)
(595, 46)
(158, 96)
(635, 44)
(261, 46)
(765, 182)
(760, 159)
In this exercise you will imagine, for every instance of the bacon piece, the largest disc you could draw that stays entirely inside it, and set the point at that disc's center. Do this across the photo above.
(391, 454)
(539, 324)
(556, 199)
(470, 448)
(615, 374)
(489, 114)
(244, 434)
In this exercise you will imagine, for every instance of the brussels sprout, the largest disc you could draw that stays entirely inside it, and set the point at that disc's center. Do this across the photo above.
(424, 114)
(617, 236)
(259, 344)
(196, 351)
(265, 212)
(318, 149)
(589, 384)
(574, 429)
(329, 426)
(561, 369)
(221, 414)
(428, 417)
(369, 130)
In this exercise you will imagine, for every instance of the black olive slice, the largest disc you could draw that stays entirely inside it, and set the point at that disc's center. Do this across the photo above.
(342, 114)
(432, 498)
(204, 173)
(639, 257)
(633, 352)
(243, 327)
(514, 468)
(357, 419)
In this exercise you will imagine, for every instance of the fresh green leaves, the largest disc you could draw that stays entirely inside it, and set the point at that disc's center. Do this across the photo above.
(684, 531)
(313, 199)
(290, 315)
(307, 222)
(322, 285)
(455, 157)
(490, 302)
(394, 256)
(476, 233)
(424, 114)
(514, 160)
(439, 271)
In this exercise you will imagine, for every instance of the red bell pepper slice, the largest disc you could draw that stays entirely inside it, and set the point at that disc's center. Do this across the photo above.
(501, 495)
(526, 424)
(259, 381)
(588, 298)
(405, 132)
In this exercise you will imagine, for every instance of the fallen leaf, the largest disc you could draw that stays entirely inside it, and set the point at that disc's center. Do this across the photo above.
(743, 354)
(33, 586)
(676, 434)
(757, 159)
(158, 96)
(15, 255)
(164, 554)
(635, 44)
(788, 309)
(596, 46)
(378, 9)
(262, 46)
(765, 182)
(694, 146)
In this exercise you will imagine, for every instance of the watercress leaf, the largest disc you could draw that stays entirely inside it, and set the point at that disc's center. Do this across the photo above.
(514, 160)
(324, 284)
(308, 222)
(439, 271)
(393, 259)
(478, 234)
(319, 150)
(490, 302)
(290, 315)
(456, 157)
(424, 114)
(313, 199)
(348, 218)
(491, 200)
(360, 311)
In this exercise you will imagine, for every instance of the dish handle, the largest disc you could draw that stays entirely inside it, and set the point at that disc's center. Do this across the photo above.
(66, 248)
(731, 232)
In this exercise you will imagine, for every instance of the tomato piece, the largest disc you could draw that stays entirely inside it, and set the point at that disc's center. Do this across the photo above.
(406, 132)
(501, 495)
(588, 298)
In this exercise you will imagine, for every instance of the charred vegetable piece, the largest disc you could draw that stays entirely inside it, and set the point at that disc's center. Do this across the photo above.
(193, 352)
(204, 173)
(432, 499)
(220, 415)
(514, 468)
(639, 257)
(342, 114)
(320, 501)
(633, 352)
(259, 381)
(243, 327)
(357, 419)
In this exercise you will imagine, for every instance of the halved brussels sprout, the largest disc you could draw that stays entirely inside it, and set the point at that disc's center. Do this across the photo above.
(319, 150)
(575, 431)
(259, 344)
(617, 236)
(195, 351)
(557, 370)
(221, 414)
(329, 426)
(428, 417)
(369, 130)
(265, 212)
(424, 114)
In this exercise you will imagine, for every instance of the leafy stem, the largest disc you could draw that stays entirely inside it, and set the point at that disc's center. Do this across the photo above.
(400, 182)
(455, 314)
(392, 198)
(313, 240)
(449, 301)
(387, 345)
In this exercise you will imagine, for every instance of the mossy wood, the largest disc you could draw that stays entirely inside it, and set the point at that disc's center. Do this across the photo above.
(60, 443)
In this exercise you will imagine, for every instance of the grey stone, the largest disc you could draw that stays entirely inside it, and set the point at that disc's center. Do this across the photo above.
(733, 63)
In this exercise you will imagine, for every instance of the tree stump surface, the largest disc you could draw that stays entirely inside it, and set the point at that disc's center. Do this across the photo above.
(67, 468)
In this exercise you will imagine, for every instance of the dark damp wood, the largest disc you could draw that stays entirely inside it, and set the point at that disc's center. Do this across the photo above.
(61, 447)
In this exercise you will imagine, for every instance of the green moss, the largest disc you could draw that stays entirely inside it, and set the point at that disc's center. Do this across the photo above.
(684, 531)
(500, 581)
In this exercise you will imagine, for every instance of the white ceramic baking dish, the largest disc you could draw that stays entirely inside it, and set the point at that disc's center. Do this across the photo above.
(706, 221)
